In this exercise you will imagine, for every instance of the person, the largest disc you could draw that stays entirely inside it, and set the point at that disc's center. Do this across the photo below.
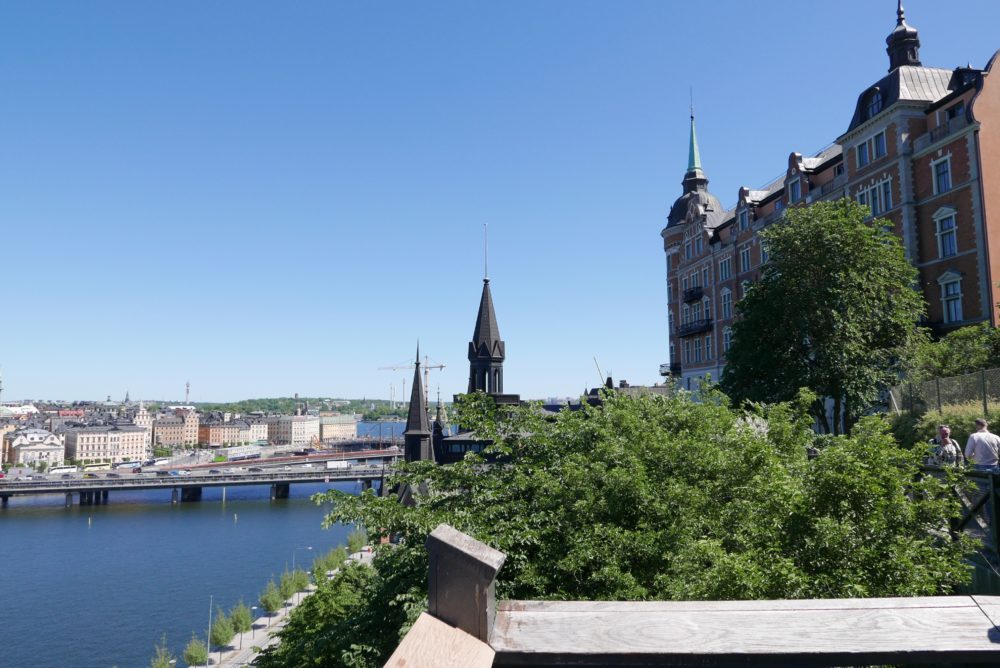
(945, 450)
(983, 447)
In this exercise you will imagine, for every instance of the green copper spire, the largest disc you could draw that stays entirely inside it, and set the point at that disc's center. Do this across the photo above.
(694, 157)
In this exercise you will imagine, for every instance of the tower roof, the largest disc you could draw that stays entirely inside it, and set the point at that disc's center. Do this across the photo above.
(694, 170)
(903, 43)
(416, 418)
(487, 332)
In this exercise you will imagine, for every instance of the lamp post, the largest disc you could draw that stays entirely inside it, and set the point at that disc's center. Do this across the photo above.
(208, 636)
(308, 547)
(253, 618)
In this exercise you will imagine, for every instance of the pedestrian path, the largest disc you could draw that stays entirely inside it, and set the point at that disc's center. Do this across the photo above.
(244, 647)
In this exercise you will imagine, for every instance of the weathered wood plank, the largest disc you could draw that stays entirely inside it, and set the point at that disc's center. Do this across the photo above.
(817, 633)
(779, 604)
(433, 644)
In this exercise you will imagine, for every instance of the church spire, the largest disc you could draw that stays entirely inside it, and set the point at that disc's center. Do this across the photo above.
(694, 178)
(417, 436)
(486, 350)
(903, 43)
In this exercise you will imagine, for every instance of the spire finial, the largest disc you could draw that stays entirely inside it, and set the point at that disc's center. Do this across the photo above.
(694, 155)
(418, 352)
(486, 252)
(900, 13)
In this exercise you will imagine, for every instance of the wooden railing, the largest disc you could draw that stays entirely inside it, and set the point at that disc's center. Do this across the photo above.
(465, 627)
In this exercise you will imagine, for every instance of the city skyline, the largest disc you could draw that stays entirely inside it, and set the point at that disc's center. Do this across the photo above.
(267, 202)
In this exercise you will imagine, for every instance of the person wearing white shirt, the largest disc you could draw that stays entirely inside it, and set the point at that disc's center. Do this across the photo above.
(983, 447)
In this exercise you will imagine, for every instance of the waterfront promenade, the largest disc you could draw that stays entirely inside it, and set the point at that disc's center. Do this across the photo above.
(264, 633)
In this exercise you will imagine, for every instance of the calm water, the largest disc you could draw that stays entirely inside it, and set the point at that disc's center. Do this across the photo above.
(98, 585)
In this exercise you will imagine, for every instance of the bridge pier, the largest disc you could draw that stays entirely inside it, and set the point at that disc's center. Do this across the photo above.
(104, 497)
(4, 500)
(86, 498)
(191, 494)
(279, 490)
(366, 484)
(173, 495)
(69, 499)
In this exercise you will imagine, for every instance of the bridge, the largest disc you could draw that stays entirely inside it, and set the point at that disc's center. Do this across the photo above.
(95, 491)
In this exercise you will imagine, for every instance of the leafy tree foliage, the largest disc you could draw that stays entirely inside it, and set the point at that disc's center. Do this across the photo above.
(834, 311)
(286, 586)
(271, 599)
(163, 657)
(196, 652)
(964, 350)
(222, 629)
(356, 540)
(241, 618)
(644, 498)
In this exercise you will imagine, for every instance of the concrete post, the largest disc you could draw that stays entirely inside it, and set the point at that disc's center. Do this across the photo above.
(461, 581)
(69, 499)
(173, 495)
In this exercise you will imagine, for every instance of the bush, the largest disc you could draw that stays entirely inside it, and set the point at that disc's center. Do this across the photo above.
(163, 657)
(916, 431)
(196, 652)
(286, 585)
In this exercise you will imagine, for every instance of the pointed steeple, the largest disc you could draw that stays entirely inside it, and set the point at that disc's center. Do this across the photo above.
(903, 43)
(694, 177)
(416, 437)
(486, 350)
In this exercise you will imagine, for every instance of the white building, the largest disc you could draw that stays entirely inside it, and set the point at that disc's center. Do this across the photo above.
(114, 444)
(338, 427)
(32, 446)
(292, 429)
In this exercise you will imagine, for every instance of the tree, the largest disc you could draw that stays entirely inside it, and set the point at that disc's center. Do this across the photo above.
(356, 540)
(964, 350)
(271, 599)
(241, 618)
(163, 658)
(286, 585)
(643, 498)
(835, 311)
(222, 629)
(196, 652)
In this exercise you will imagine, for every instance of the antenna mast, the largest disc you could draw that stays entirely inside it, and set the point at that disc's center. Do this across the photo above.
(486, 251)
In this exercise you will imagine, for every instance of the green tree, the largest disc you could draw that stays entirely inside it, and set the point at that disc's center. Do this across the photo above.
(196, 652)
(286, 585)
(643, 498)
(163, 658)
(271, 599)
(356, 540)
(241, 618)
(222, 629)
(964, 350)
(834, 311)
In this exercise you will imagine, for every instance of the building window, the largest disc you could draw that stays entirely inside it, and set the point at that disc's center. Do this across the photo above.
(726, 268)
(955, 111)
(874, 104)
(685, 314)
(886, 195)
(727, 303)
(697, 245)
(687, 250)
(727, 339)
(862, 152)
(708, 346)
(764, 254)
(697, 350)
(745, 258)
(744, 219)
(704, 276)
(706, 306)
(878, 197)
(878, 145)
(687, 351)
(942, 175)
(794, 191)
(951, 297)
(684, 283)
(947, 235)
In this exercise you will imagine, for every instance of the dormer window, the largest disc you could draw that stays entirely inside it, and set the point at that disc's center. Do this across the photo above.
(873, 104)
(744, 219)
(794, 191)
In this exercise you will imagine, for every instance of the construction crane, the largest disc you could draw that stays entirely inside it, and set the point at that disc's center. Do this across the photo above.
(427, 367)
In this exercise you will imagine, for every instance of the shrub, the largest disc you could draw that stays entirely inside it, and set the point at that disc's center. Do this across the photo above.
(196, 652)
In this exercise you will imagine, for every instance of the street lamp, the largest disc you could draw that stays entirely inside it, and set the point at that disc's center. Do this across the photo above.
(253, 618)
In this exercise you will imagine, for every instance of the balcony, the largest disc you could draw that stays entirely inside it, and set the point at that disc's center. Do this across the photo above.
(693, 294)
(952, 126)
(822, 191)
(695, 327)
(672, 369)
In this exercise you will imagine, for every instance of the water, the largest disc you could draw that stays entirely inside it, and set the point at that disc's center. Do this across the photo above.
(387, 429)
(99, 585)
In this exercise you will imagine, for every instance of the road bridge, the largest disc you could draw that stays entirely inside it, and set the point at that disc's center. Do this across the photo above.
(95, 491)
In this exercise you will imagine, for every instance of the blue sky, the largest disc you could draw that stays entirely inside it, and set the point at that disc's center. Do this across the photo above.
(269, 198)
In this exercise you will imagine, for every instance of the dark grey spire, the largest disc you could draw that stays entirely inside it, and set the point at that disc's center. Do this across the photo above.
(417, 436)
(903, 43)
(486, 350)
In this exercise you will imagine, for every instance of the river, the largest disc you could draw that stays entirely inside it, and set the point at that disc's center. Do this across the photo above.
(97, 586)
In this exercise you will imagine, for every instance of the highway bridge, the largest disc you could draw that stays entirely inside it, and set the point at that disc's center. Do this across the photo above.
(188, 487)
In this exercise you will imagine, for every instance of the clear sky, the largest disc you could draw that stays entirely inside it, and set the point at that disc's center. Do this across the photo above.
(269, 198)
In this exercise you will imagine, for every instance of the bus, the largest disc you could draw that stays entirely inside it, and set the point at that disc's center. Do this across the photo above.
(57, 470)
(127, 465)
(96, 467)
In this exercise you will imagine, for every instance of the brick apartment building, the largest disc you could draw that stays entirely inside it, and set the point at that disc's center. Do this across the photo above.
(922, 149)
